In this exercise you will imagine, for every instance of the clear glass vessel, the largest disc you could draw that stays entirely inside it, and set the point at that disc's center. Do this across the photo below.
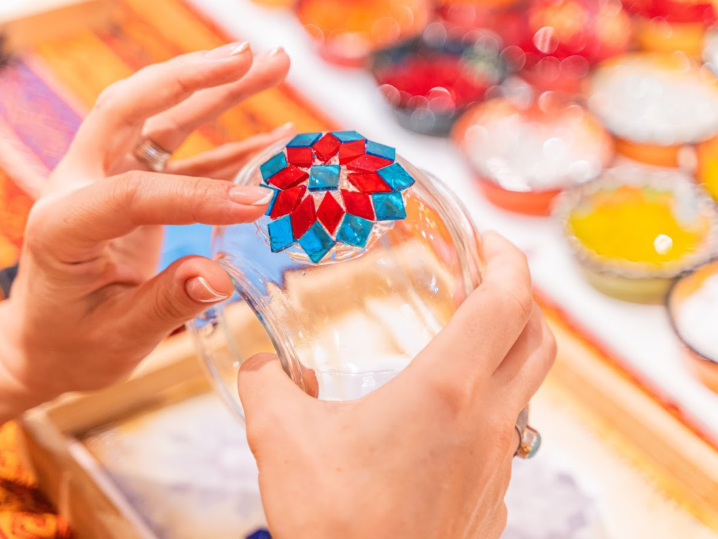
(348, 324)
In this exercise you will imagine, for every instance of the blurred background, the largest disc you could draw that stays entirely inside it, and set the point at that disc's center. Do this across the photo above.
(584, 130)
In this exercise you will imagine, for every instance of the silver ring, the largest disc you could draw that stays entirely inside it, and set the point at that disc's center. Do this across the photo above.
(151, 154)
(529, 438)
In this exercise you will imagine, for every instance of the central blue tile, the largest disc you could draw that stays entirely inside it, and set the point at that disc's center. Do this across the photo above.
(323, 177)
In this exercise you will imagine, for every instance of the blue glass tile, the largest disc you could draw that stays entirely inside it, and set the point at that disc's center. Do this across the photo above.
(347, 136)
(379, 150)
(323, 177)
(274, 199)
(280, 233)
(316, 242)
(354, 231)
(388, 206)
(397, 178)
(304, 140)
(260, 534)
(273, 165)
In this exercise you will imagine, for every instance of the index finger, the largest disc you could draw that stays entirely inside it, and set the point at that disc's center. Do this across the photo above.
(488, 323)
(75, 224)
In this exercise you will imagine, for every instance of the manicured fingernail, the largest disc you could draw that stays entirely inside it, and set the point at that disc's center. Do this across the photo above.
(227, 51)
(289, 126)
(275, 52)
(253, 196)
(199, 290)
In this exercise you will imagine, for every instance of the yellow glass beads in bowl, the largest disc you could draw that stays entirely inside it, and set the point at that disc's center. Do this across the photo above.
(633, 230)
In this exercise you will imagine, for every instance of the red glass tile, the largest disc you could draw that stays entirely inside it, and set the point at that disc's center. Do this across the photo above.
(301, 157)
(326, 147)
(351, 150)
(303, 217)
(368, 163)
(368, 182)
(287, 201)
(330, 213)
(358, 204)
(288, 177)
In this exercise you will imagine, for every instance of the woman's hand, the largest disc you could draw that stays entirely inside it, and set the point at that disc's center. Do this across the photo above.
(428, 455)
(86, 306)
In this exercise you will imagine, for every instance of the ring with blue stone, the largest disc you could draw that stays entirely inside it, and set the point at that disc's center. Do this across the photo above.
(529, 438)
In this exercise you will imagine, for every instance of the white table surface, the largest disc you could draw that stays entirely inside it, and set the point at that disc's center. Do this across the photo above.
(639, 333)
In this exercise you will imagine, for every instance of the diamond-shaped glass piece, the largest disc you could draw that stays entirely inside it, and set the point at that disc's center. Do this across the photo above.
(374, 193)
(303, 217)
(287, 200)
(368, 182)
(273, 165)
(396, 176)
(330, 213)
(316, 242)
(367, 163)
(326, 147)
(379, 150)
(324, 177)
(348, 136)
(280, 234)
(304, 140)
(354, 231)
(349, 151)
(288, 177)
(389, 206)
(259, 534)
(275, 194)
(301, 157)
(358, 204)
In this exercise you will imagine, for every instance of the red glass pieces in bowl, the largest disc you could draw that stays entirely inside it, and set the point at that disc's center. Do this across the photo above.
(562, 39)
(331, 189)
(672, 25)
(430, 80)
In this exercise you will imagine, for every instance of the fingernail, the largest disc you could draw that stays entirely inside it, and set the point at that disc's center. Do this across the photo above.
(199, 290)
(275, 52)
(253, 196)
(289, 126)
(227, 51)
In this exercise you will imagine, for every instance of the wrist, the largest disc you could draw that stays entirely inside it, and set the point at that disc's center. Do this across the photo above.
(16, 396)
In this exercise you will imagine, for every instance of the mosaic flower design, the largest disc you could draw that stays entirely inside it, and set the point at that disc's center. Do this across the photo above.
(332, 188)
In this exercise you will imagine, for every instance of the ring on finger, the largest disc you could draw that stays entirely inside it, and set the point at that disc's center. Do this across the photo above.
(529, 438)
(152, 155)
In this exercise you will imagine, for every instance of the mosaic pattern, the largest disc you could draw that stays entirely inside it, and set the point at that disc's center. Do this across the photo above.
(332, 188)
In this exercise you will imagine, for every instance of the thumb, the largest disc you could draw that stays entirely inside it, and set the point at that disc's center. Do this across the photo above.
(182, 291)
(269, 398)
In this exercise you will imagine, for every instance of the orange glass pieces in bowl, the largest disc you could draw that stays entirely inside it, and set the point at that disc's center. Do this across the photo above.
(525, 153)
(348, 31)
(634, 230)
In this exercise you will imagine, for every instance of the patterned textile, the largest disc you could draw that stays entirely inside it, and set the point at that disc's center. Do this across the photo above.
(43, 96)
(24, 511)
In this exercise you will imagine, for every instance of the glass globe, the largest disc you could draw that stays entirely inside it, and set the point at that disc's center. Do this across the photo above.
(345, 291)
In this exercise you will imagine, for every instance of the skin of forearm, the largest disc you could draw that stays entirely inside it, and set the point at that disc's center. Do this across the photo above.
(15, 397)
